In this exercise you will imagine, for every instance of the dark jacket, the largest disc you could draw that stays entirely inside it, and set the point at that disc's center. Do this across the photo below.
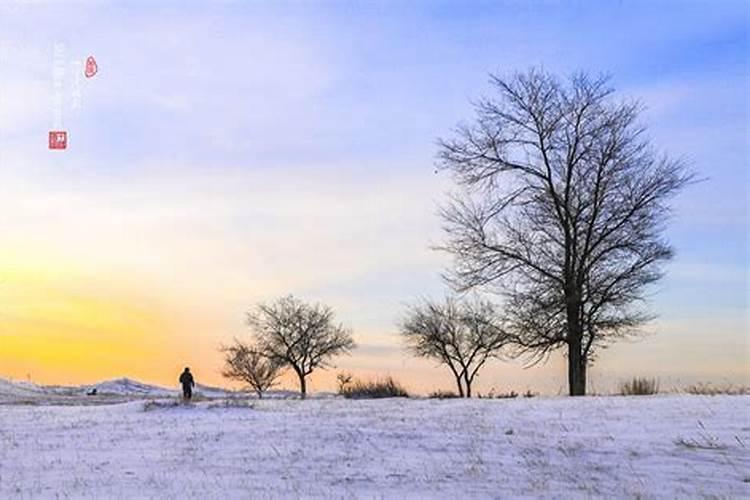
(186, 379)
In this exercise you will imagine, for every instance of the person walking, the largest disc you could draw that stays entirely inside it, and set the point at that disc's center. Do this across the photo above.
(187, 381)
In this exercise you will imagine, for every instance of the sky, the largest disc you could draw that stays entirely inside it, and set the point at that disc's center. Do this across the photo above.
(228, 153)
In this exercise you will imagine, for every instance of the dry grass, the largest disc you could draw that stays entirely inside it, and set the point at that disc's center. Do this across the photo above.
(506, 395)
(704, 389)
(373, 389)
(700, 444)
(159, 405)
(704, 440)
(499, 395)
(232, 403)
(442, 395)
(639, 386)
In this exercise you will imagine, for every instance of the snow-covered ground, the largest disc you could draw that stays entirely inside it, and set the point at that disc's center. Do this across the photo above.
(658, 446)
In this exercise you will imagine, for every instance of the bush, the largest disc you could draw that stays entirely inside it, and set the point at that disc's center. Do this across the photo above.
(443, 395)
(639, 386)
(372, 389)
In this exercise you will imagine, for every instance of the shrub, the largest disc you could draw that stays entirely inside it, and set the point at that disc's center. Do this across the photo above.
(442, 395)
(639, 386)
(371, 389)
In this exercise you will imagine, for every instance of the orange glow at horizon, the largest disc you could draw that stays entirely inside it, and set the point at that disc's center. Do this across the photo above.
(64, 326)
(61, 326)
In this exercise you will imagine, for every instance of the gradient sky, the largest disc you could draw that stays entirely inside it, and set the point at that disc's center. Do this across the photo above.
(228, 153)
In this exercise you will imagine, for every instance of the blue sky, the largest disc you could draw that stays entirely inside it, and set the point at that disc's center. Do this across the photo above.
(229, 152)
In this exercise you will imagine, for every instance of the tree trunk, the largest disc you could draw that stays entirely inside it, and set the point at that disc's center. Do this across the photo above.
(467, 381)
(576, 359)
(458, 380)
(576, 368)
(460, 387)
(302, 386)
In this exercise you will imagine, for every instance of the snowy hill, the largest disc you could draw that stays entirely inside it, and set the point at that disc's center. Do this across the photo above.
(124, 389)
(13, 390)
(128, 387)
(115, 390)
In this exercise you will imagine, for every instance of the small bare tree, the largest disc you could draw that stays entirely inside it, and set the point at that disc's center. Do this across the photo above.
(562, 209)
(299, 335)
(461, 335)
(246, 363)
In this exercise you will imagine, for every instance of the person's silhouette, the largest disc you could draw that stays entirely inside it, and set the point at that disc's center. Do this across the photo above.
(186, 379)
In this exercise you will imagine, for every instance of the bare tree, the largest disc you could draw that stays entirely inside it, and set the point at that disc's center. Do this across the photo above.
(299, 335)
(562, 206)
(463, 336)
(247, 363)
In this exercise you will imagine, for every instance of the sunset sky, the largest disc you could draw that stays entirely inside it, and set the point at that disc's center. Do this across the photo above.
(229, 153)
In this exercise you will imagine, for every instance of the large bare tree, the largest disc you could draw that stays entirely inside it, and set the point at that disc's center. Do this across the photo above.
(561, 207)
(461, 335)
(299, 335)
(246, 363)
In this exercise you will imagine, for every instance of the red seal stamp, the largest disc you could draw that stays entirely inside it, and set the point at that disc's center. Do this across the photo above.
(58, 139)
(91, 67)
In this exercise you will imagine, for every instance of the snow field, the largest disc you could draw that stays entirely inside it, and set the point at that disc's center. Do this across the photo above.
(658, 446)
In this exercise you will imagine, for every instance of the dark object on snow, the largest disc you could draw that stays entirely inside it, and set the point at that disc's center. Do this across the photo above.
(91, 392)
(186, 379)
